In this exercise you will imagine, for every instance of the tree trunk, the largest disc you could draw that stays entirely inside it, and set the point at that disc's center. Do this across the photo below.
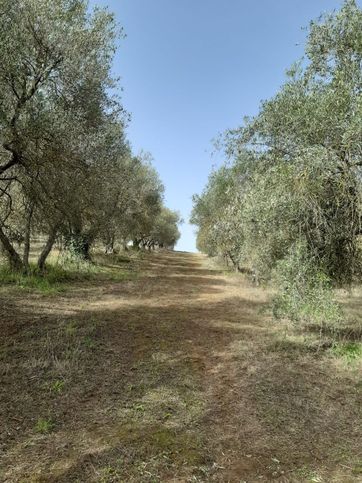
(47, 248)
(136, 243)
(27, 237)
(110, 245)
(13, 257)
(235, 264)
(79, 244)
(86, 249)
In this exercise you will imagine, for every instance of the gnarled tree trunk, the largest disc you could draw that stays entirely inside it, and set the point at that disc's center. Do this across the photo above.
(47, 248)
(13, 257)
(27, 237)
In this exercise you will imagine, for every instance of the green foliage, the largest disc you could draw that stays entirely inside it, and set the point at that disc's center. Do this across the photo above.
(67, 170)
(217, 211)
(70, 260)
(59, 276)
(50, 284)
(305, 292)
(165, 232)
(289, 200)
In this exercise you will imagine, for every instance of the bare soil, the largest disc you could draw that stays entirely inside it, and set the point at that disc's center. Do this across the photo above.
(177, 374)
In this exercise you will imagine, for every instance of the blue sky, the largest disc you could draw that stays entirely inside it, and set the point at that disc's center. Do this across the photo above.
(190, 69)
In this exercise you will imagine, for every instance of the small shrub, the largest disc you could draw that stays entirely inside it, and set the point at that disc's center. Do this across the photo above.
(305, 291)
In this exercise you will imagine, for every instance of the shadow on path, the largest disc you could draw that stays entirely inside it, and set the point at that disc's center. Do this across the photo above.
(174, 376)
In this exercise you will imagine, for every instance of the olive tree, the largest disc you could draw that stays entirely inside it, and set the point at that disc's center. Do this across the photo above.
(55, 81)
(297, 203)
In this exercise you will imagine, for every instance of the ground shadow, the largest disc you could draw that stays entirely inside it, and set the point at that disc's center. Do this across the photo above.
(173, 377)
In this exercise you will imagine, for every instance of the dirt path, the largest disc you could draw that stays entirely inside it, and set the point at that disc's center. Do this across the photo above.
(176, 375)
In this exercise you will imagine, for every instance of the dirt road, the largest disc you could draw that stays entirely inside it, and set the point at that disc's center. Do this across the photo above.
(178, 374)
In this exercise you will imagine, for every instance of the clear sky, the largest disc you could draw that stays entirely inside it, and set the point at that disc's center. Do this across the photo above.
(192, 68)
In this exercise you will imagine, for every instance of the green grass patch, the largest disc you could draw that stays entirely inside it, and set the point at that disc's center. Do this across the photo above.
(59, 276)
(357, 469)
(49, 283)
(309, 475)
(44, 426)
(57, 386)
(350, 351)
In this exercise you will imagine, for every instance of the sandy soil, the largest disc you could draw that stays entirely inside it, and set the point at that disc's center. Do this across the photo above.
(176, 375)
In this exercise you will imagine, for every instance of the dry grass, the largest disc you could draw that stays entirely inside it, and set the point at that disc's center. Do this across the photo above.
(176, 375)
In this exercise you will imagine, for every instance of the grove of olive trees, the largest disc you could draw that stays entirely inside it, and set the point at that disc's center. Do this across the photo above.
(66, 168)
(287, 203)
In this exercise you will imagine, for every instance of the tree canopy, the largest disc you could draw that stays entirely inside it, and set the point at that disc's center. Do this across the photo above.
(291, 188)
(66, 167)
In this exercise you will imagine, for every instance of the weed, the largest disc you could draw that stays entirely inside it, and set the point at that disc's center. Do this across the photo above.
(70, 329)
(109, 474)
(57, 386)
(140, 408)
(44, 426)
(89, 343)
(309, 474)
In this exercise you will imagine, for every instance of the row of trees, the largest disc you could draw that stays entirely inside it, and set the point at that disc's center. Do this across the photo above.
(66, 168)
(287, 203)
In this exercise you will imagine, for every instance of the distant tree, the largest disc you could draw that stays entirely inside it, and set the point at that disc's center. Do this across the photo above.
(165, 232)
